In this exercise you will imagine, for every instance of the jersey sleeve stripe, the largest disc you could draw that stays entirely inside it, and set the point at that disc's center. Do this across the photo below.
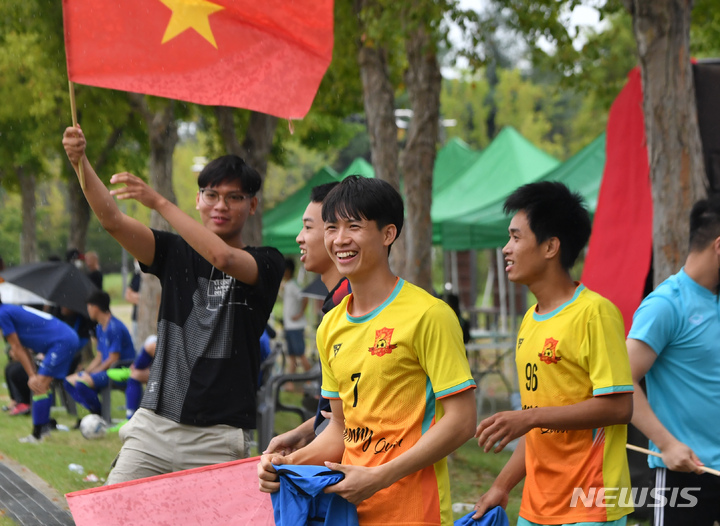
(613, 390)
(469, 384)
(330, 394)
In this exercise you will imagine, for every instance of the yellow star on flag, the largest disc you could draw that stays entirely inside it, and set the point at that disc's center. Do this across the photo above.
(190, 14)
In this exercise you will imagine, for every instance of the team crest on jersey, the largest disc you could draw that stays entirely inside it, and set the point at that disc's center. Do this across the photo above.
(549, 352)
(336, 348)
(382, 342)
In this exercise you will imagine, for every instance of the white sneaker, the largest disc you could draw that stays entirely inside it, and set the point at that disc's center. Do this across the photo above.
(30, 439)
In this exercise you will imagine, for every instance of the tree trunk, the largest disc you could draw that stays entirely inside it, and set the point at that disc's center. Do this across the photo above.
(28, 237)
(255, 150)
(423, 80)
(162, 132)
(662, 32)
(257, 145)
(379, 103)
(79, 211)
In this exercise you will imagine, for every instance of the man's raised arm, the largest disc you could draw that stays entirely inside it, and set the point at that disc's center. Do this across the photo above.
(134, 236)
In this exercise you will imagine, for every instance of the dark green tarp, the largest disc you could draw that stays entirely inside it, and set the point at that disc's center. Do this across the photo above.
(453, 159)
(487, 226)
(469, 189)
(508, 162)
(283, 222)
(299, 199)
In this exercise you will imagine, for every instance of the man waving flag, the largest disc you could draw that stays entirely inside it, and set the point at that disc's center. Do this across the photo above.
(268, 56)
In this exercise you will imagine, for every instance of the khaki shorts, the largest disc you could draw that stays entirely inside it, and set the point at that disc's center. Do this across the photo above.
(154, 445)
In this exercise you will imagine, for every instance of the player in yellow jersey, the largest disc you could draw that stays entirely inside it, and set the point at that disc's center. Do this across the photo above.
(394, 369)
(574, 375)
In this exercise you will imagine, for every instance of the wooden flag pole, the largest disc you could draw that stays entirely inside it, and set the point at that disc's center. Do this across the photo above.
(73, 110)
(653, 453)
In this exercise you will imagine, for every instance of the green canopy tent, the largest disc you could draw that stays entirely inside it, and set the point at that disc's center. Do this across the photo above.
(487, 226)
(299, 199)
(358, 167)
(283, 222)
(508, 162)
(452, 160)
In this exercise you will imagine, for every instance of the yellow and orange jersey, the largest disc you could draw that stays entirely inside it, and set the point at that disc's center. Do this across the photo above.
(391, 368)
(564, 357)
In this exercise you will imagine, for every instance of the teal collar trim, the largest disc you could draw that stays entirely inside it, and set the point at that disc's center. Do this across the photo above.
(547, 316)
(377, 310)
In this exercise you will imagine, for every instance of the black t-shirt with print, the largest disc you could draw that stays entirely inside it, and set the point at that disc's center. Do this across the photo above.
(209, 326)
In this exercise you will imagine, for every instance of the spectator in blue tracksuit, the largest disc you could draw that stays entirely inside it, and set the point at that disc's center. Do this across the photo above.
(114, 344)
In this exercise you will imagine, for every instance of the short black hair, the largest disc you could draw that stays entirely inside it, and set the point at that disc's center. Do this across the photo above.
(320, 192)
(553, 210)
(704, 222)
(357, 197)
(230, 168)
(290, 265)
(100, 299)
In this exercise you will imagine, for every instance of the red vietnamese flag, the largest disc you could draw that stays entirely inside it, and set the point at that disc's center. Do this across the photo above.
(264, 55)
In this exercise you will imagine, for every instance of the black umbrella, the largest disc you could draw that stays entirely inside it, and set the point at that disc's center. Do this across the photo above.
(58, 282)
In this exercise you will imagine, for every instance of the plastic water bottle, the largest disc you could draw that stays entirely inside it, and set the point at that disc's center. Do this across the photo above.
(76, 468)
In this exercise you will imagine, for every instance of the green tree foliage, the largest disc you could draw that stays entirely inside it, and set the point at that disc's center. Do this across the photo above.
(464, 101)
(30, 84)
(301, 163)
(519, 103)
(10, 227)
(705, 30)
(558, 100)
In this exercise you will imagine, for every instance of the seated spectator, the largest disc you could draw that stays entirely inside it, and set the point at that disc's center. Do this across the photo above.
(83, 326)
(135, 376)
(113, 344)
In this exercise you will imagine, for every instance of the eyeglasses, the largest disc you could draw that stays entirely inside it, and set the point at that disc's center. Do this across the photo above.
(232, 200)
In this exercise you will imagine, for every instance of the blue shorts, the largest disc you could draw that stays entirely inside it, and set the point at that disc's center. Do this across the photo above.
(295, 341)
(100, 380)
(58, 358)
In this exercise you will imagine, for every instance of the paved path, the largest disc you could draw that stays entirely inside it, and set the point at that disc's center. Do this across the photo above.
(28, 500)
